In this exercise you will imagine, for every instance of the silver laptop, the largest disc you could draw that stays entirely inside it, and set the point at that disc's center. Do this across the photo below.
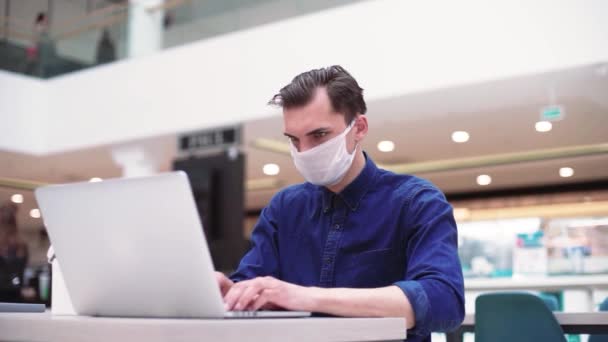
(135, 248)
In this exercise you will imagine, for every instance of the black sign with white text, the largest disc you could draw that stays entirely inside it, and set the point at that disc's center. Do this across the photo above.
(209, 139)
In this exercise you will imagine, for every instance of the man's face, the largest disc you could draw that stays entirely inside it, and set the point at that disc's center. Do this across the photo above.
(315, 123)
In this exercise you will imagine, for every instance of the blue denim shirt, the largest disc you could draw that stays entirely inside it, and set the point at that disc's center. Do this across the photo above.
(382, 229)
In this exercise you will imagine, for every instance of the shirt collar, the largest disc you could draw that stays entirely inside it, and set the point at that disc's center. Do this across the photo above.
(353, 192)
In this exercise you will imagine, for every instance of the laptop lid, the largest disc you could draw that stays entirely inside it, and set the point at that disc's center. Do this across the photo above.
(132, 247)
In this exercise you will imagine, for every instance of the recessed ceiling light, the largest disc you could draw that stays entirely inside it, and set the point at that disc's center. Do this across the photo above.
(35, 213)
(566, 172)
(460, 136)
(386, 146)
(271, 169)
(484, 180)
(95, 179)
(543, 126)
(17, 198)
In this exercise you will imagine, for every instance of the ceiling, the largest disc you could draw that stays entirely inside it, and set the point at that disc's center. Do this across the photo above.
(499, 116)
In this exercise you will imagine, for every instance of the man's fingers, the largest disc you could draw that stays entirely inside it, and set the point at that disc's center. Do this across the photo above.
(224, 283)
(233, 295)
(260, 301)
(243, 294)
(248, 295)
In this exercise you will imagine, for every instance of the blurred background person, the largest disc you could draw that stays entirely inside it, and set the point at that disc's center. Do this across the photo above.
(106, 51)
(13, 255)
(32, 52)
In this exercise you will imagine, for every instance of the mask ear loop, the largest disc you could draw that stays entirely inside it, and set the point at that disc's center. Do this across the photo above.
(352, 123)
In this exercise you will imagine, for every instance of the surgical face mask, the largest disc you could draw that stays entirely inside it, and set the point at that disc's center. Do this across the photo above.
(327, 163)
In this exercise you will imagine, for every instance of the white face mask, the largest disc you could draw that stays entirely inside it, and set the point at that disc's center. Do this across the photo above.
(327, 163)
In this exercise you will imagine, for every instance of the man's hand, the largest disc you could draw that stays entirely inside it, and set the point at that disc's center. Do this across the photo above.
(271, 293)
(268, 292)
(224, 283)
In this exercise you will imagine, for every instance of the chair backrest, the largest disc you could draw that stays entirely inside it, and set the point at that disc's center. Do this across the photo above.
(550, 301)
(604, 305)
(514, 316)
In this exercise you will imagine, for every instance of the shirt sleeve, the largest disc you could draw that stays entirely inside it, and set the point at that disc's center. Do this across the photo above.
(262, 257)
(433, 279)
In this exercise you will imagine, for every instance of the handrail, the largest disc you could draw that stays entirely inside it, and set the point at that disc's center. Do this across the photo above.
(19, 34)
(21, 26)
(109, 8)
(24, 24)
(121, 7)
(118, 12)
(168, 4)
(104, 23)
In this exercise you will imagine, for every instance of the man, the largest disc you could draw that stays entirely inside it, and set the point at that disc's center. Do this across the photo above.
(354, 240)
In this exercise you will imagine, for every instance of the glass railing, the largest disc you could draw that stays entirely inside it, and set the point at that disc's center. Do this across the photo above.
(75, 35)
(195, 20)
(59, 39)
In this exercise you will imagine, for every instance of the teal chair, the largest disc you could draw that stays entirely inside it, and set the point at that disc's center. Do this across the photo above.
(550, 301)
(600, 338)
(514, 316)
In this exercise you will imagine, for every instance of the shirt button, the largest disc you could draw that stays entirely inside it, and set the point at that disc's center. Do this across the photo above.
(337, 227)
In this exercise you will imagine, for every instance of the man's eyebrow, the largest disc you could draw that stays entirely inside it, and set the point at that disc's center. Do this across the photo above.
(318, 130)
(313, 132)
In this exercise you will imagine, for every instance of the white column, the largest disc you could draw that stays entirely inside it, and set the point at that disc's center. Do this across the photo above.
(136, 160)
(145, 27)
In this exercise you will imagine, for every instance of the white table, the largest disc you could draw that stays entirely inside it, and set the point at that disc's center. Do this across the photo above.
(571, 323)
(39, 327)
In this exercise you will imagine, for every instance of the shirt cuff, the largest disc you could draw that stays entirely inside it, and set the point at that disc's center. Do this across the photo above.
(420, 304)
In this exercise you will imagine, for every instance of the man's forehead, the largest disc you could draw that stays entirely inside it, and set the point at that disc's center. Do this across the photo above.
(320, 100)
(297, 124)
(318, 113)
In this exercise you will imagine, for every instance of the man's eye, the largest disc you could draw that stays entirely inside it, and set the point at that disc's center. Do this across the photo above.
(320, 134)
(295, 143)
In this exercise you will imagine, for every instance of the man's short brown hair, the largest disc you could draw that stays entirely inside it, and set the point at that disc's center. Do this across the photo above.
(344, 93)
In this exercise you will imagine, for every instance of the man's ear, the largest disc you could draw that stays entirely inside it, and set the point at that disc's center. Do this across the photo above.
(361, 127)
